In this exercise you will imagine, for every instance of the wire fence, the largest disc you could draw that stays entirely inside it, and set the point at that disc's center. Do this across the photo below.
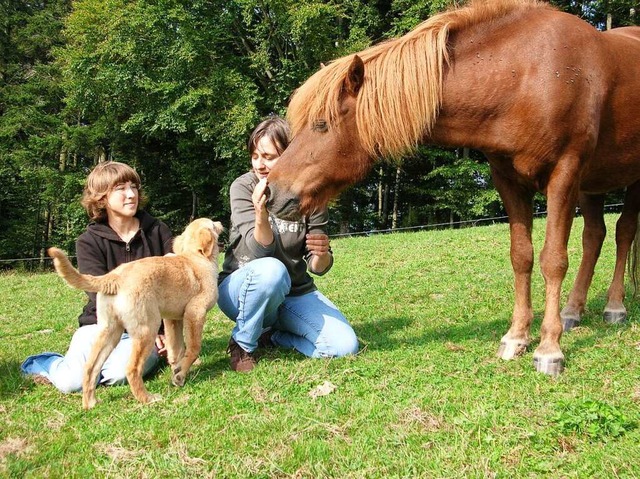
(43, 264)
(457, 224)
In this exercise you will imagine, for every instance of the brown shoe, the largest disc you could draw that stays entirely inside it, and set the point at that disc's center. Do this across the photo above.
(241, 361)
(264, 341)
(40, 379)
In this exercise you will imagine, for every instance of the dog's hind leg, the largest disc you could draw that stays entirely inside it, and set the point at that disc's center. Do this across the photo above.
(194, 319)
(107, 339)
(174, 341)
(143, 342)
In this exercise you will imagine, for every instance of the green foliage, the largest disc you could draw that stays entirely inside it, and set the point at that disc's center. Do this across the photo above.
(31, 128)
(174, 88)
(596, 419)
(622, 12)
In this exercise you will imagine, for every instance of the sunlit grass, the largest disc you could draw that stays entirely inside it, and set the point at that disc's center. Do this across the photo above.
(426, 396)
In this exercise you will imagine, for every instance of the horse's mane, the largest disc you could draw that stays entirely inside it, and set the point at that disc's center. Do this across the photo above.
(400, 98)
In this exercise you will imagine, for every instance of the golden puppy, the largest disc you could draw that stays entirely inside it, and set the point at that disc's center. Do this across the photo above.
(137, 296)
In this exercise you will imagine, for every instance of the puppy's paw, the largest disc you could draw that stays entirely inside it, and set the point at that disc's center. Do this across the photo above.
(89, 403)
(150, 398)
(178, 379)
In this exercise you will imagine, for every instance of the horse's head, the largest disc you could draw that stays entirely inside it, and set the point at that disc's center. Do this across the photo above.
(325, 155)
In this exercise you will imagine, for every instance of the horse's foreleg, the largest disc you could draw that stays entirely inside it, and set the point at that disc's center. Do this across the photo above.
(519, 205)
(614, 311)
(592, 207)
(562, 196)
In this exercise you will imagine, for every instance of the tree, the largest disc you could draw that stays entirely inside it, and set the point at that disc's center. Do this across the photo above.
(33, 194)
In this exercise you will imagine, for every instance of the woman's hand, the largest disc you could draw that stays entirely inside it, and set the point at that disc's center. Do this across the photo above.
(259, 199)
(318, 246)
(160, 346)
(262, 231)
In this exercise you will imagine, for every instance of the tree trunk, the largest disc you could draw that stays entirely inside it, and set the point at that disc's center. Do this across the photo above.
(194, 205)
(380, 193)
(385, 206)
(396, 196)
(62, 160)
(48, 228)
(100, 155)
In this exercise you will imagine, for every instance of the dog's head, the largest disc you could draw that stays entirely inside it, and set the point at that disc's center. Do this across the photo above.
(199, 237)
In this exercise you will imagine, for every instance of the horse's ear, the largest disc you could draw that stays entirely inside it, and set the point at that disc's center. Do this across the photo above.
(355, 76)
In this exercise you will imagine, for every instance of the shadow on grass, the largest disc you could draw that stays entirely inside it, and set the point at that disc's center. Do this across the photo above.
(380, 335)
(12, 382)
(394, 332)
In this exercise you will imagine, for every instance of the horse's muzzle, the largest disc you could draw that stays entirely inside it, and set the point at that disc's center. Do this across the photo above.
(283, 204)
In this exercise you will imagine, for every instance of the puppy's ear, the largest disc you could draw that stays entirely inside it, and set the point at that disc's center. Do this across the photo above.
(207, 242)
(218, 228)
(178, 244)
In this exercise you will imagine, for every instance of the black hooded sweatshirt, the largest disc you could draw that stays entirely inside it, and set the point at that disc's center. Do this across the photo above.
(99, 250)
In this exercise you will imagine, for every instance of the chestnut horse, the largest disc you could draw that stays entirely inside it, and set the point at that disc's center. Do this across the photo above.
(550, 101)
(592, 207)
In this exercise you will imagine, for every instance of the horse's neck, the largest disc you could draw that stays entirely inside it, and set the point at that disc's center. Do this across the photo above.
(488, 77)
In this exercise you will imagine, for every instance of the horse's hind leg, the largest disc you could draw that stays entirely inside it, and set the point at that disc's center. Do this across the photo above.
(615, 311)
(592, 207)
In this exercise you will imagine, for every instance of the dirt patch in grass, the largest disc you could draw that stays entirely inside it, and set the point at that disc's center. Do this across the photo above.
(423, 419)
(13, 445)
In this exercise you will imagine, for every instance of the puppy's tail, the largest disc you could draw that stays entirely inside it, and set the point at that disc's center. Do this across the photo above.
(107, 284)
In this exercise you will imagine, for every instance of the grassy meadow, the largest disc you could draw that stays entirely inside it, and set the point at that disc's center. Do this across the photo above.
(425, 398)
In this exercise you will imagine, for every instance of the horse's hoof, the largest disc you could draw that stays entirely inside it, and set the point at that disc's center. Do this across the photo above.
(615, 317)
(570, 319)
(568, 323)
(551, 366)
(510, 349)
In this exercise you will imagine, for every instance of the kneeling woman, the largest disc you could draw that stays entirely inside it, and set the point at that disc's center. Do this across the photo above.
(265, 286)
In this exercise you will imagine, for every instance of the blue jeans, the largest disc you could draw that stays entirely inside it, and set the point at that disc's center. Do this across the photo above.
(66, 372)
(255, 297)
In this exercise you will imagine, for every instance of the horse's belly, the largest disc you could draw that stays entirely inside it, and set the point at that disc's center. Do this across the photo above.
(603, 180)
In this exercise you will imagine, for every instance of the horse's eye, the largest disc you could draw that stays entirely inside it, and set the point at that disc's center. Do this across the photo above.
(320, 126)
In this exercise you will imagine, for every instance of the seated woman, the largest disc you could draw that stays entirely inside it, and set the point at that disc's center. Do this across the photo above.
(264, 285)
(119, 232)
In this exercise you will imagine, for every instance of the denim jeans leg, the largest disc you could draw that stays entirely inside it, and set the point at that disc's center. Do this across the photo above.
(251, 296)
(66, 373)
(314, 326)
(114, 369)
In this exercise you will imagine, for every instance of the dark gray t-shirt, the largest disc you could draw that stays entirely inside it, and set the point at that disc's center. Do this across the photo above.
(289, 245)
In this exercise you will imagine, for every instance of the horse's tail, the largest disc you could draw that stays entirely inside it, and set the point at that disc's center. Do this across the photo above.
(107, 284)
(633, 262)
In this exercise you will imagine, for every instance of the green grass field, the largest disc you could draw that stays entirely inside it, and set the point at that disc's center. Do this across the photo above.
(426, 396)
